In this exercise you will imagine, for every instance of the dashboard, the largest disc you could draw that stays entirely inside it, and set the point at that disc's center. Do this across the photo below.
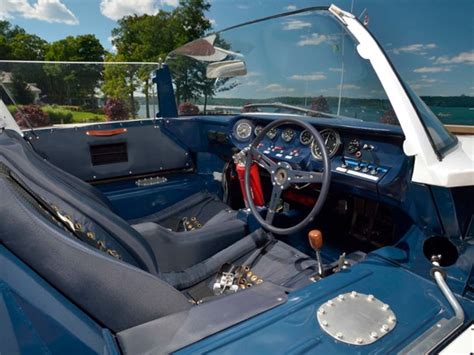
(359, 159)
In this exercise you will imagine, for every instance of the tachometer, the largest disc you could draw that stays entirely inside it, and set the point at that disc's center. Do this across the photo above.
(306, 138)
(332, 141)
(243, 130)
(287, 135)
(271, 134)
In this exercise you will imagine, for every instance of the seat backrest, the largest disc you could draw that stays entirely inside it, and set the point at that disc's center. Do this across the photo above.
(115, 292)
(83, 205)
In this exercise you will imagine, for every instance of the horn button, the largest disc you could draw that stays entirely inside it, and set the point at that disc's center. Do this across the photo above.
(280, 176)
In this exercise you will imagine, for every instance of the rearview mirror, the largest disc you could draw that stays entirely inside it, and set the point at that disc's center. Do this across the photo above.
(227, 69)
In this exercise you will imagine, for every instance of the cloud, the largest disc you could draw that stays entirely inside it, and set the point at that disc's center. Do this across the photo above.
(461, 58)
(277, 88)
(309, 77)
(116, 9)
(417, 48)
(292, 25)
(243, 7)
(432, 69)
(348, 87)
(314, 39)
(213, 22)
(335, 69)
(52, 11)
(291, 7)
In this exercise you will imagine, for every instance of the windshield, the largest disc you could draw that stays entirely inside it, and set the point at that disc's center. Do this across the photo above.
(303, 63)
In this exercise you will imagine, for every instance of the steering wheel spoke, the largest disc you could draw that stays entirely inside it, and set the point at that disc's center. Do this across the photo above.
(309, 177)
(262, 160)
(273, 204)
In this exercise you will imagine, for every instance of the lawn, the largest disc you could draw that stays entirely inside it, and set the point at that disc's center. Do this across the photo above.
(67, 114)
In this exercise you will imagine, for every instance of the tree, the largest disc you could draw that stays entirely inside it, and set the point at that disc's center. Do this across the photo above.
(20, 91)
(78, 80)
(149, 38)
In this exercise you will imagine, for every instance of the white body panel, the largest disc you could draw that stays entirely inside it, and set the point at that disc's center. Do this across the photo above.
(457, 167)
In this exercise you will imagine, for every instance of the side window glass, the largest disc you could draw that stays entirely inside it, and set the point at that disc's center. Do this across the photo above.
(57, 95)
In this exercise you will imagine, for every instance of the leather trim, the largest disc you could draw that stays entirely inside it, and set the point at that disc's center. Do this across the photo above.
(106, 132)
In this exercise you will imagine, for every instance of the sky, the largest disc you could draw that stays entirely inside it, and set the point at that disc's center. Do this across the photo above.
(431, 42)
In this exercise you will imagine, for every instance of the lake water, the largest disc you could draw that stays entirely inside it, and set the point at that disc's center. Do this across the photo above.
(447, 115)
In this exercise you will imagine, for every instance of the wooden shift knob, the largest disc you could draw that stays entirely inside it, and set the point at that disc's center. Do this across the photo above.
(315, 238)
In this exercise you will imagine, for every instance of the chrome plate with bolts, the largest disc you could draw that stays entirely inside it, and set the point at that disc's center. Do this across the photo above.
(356, 318)
(151, 181)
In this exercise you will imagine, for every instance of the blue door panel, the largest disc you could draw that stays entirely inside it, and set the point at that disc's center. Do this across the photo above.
(148, 149)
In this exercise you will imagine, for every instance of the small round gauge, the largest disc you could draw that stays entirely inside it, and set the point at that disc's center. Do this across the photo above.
(332, 141)
(258, 129)
(306, 138)
(287, 135)
(353, 146)
(271, 134)
(243, 130)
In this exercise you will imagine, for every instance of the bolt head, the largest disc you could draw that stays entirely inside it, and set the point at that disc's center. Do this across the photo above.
(374, 335)
(385, 328)
(341, 297)
(325, 323)
(370, 298)
(339, 335)
(354, 294)
(359, 340)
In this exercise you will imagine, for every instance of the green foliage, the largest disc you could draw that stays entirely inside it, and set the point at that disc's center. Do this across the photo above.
(74, 84)
(58, 115)
(20, 91)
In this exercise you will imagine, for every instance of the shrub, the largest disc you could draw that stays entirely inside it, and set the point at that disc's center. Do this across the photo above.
(115, 110)
(34, 115)
(58, 116)
(188, 109)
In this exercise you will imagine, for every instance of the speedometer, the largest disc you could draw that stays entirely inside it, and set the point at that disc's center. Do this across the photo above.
(243, 130)
(287, 135)
(306, 138)
(332, 141)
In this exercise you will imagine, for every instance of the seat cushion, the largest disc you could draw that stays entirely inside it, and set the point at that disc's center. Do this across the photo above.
(203, 206)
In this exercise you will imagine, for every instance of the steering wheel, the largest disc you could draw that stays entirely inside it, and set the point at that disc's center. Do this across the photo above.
(283, 176)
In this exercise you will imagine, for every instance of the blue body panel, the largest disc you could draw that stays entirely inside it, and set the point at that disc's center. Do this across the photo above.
(292, 328)
(36, 319)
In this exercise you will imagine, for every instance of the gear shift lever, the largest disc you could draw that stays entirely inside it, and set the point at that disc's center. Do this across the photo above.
(315, 238)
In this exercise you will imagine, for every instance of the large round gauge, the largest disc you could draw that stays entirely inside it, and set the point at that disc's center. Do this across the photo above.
(243, 130)
(271, 134)
(332, 141)
(287, 135)
(258, 129)
(306, 138)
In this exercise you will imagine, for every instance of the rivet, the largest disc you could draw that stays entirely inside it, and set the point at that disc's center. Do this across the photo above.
(359, 340)
(325, 323)
(374, 335)
(341, 297)
(391, 319)
(330, 303)
(353, 294)
(279, 299)
(385, 307)
(385, 328)
(321, 311)
(339, 335)
(370, 298)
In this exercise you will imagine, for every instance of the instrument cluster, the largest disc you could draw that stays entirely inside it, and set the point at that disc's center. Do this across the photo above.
(244, 131)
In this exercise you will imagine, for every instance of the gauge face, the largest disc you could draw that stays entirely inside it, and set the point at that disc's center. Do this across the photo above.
(353, 146)
(287, 135)
(306, 138)
(243, 130)
(258, 129)
(272, 133)
(332, 141)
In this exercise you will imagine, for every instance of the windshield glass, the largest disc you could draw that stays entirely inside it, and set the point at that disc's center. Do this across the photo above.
(304, 63)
